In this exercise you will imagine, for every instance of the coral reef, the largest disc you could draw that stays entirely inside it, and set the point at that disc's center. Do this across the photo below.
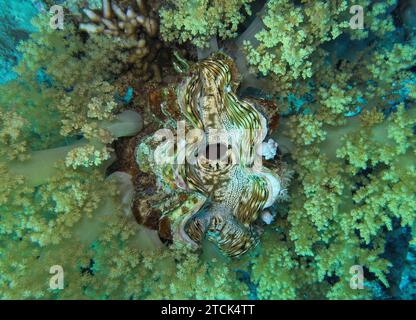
(407, 281)
(137, 24)
(198, 21)
(14, 28)
(291, 34)
(81, 187)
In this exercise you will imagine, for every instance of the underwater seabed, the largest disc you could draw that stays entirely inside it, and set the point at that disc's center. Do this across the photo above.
(218, 149)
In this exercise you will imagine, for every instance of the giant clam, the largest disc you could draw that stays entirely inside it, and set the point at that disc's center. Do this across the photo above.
(217, 164)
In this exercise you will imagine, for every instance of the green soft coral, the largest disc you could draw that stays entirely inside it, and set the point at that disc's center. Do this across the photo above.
(389, 190)
(291, 35)
(337, 201)
(199, 20)
(354, 175)
(56, 206)
(47, 193)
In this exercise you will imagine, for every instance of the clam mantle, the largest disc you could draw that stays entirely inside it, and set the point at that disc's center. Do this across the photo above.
(217, 166)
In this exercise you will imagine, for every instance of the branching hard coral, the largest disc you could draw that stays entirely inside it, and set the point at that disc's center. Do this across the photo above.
(129, 23)
(137, 24)
(199, 20)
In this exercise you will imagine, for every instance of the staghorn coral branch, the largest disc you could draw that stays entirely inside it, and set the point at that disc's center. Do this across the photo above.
(107, 9)
(142, 7)
(134, 23)
(118, 12)
(92, 15)
(113, 18)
